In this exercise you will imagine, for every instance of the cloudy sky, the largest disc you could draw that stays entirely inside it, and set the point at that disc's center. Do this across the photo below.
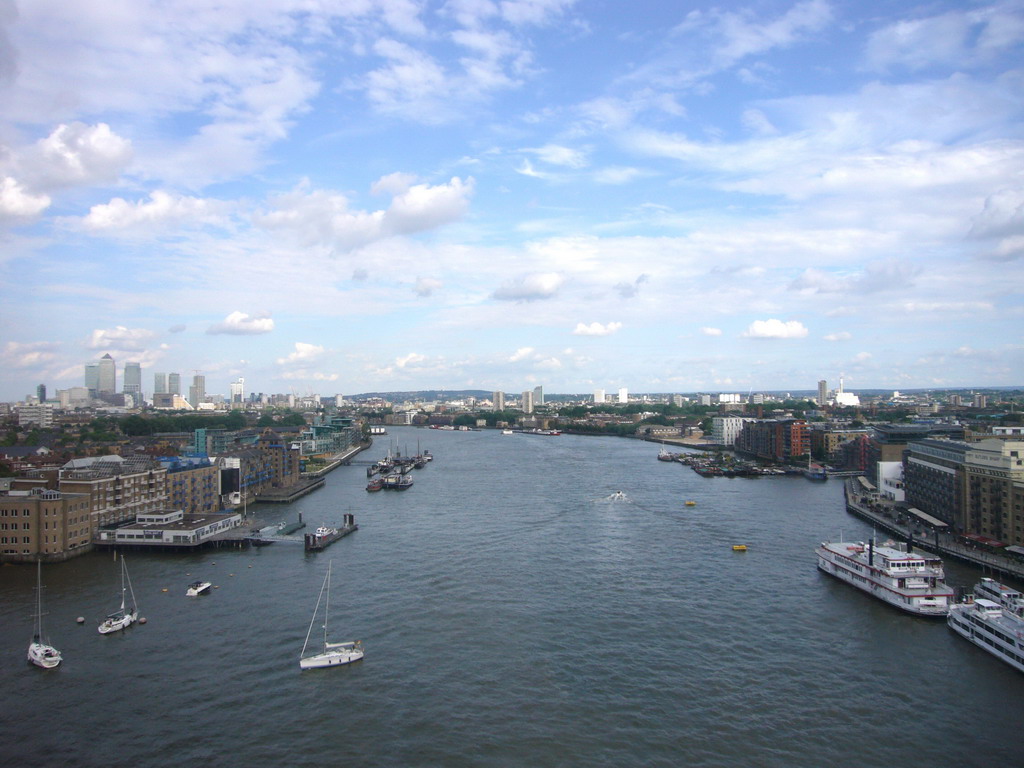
(351, 195)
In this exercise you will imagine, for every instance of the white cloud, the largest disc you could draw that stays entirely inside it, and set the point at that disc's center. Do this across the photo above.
(324, 218)
(596, 329)
(523, 353)
(303, 353)
(119, 338)
(77, 154)
(554, 154)
(840, 336)
(243, 324)
(412, 360)
(532, 287)
(16, 203)
(619, 174)
(708, 331)
(425, 286)
(163, 209)
(775, 329)
(18, 355)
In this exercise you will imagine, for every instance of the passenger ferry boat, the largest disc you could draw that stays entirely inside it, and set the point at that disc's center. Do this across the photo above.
(991, 626)
(911, 581)
(1007, 598)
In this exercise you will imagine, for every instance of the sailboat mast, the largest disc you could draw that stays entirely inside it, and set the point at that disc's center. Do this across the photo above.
(327, 602)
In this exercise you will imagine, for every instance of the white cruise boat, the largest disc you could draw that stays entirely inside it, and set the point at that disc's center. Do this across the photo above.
(992, 628)
(1007, 598)
(911, 581)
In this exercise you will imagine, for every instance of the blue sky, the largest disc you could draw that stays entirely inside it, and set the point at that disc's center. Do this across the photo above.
(338, 197)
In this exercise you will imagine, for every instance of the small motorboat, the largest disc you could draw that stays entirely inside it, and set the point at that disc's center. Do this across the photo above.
(197, 588)
(691, 503)
(739, 547)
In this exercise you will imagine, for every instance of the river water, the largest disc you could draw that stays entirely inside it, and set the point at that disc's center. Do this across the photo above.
(512, 614)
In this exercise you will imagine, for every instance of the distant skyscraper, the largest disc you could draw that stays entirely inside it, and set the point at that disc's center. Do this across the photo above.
(623, 395)
(822, 392)
(159, 383)
(41, 393)
(528, 401)
(133, 381)
(197, 392)
(237, 390)
(108, 376)
(174, 383)
(598, 395)
(92, 378)
(538, 395)
(498, 398)
(677, 401)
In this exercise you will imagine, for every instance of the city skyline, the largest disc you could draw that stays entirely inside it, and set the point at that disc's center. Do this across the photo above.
(469, 194)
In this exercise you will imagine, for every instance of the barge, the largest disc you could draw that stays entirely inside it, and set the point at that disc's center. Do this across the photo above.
(323, 537)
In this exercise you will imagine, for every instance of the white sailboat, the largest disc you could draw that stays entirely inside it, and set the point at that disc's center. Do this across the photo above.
(332, 654)
(41, 653)
(121, 618)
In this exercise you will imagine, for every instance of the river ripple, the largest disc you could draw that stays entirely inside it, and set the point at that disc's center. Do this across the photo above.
(512, 615)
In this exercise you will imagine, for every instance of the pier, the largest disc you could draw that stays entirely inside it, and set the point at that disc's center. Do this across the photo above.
(881, 514)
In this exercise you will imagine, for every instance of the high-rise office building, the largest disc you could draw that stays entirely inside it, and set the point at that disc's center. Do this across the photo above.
(822, 392)
(174, 383)
(598, 395)
(92, 378)
(133, 381)
(159, 383)
(108, 376)
(528, 401)
(237, 390)
(197, 392)
(498, 398)
(538, 395)
(623, 395)
(41, 393)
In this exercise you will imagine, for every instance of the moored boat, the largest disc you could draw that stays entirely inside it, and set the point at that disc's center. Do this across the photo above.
(41, 653)
(197, 588)
(333, 654)
(375, 485)
(121, 618)
(911, 581)
(324, 536)
(1006, 597)
(992, 627)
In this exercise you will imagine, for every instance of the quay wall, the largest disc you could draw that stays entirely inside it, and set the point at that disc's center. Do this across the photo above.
(945, 544)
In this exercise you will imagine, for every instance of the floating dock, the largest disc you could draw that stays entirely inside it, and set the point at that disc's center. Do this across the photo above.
(324, 537)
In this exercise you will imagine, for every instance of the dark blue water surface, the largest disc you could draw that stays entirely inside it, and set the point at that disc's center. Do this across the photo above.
(511, 614)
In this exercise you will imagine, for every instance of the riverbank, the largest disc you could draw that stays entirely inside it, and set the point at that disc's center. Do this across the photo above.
(884, 515)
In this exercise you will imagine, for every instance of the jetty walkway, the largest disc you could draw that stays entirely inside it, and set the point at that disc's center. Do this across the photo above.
(885, 515)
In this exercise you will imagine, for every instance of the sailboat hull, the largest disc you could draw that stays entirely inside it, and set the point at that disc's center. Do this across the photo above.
(117, 623)
(42, 655)
(333, 657)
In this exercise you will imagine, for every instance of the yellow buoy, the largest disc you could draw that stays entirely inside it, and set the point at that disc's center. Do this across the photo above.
(739, 547)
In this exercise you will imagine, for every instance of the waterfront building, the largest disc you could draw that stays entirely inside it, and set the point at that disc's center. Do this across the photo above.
(993, 490)
(133, 381)
(193, 484)
(528, 401)
(774, 439)
(169, 528)
(174, 383)
(43, 523)
(498, 399)
(933, 473)
(119, 488)
(826, 443)
(107, 376)
(336, 436)
(725, 429)
(159, 383)
(270, 463)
